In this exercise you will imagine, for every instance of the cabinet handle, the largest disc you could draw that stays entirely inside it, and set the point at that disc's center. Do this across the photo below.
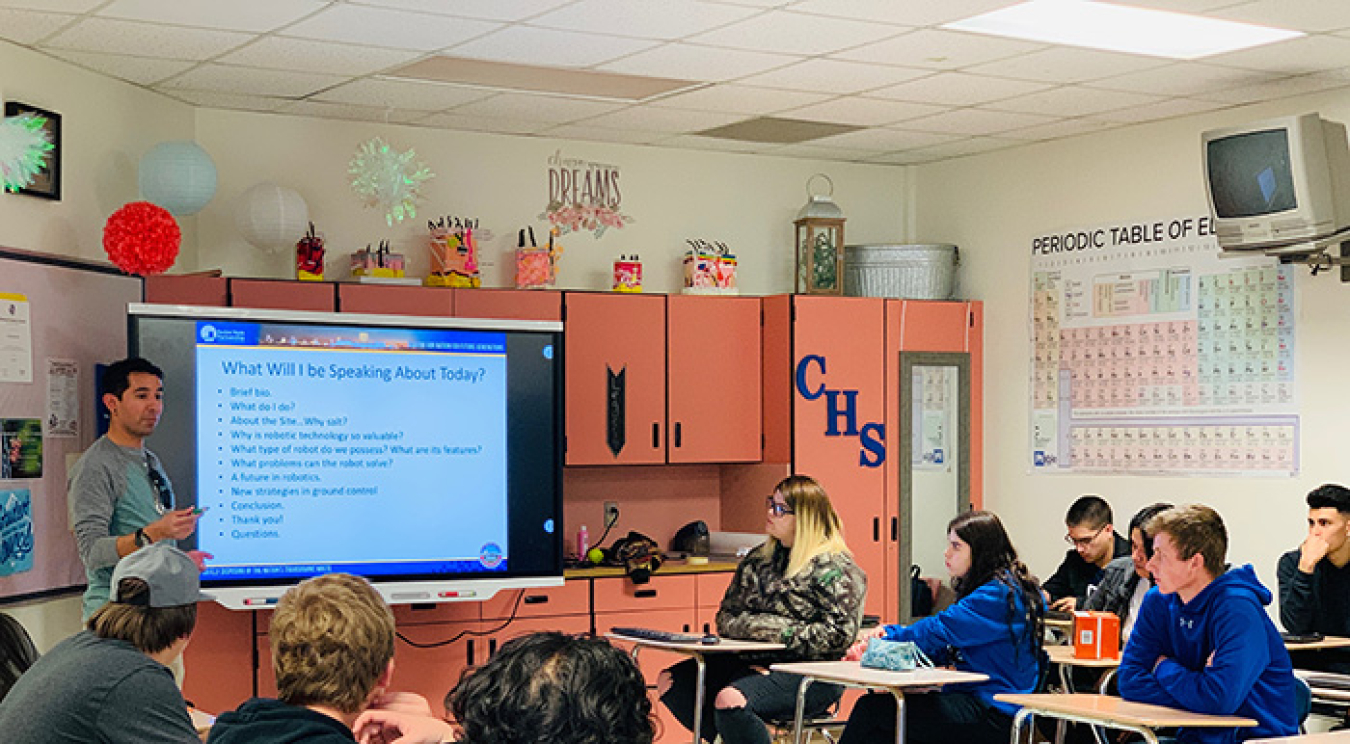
(469, 647)
(876, 529)
(686, 627)
(895, 528)
(536, 599)
(678, 437)
(656, 435)
(492, 647)
(644, 593)
(707, 628)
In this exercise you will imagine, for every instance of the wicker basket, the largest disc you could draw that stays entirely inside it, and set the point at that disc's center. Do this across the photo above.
(917, 272)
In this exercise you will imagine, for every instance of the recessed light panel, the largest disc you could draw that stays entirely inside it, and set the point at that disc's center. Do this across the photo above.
(1121, 28)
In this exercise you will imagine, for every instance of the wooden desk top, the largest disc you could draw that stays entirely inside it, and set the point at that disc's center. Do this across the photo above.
(1326, 642)
(1108, 709)
(1064, 655)
(723, 646)
(1059, 624)
(854, 673)
(668, 568)
(1326, 737)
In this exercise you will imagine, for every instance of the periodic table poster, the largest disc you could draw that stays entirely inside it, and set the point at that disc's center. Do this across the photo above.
(1152, 354)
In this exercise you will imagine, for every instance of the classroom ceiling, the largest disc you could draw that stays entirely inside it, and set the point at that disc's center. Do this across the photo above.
(902, 89)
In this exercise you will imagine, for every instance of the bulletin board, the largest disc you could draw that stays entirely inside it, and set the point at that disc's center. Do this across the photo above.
(59, 317)
(1153, 354)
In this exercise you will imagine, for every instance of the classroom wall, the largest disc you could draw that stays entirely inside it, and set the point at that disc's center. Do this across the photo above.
(746, 201)
(993, 205)
(107, 125)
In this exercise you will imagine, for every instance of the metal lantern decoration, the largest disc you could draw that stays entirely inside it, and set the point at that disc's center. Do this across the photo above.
(820, 243)
(178, 176)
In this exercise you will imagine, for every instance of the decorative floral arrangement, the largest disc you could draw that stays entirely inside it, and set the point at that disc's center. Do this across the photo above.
(386, 178)
(141, 238)
(575, 218)
(24, 145)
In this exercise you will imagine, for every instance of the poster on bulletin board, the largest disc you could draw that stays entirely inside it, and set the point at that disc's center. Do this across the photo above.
(1151, 354)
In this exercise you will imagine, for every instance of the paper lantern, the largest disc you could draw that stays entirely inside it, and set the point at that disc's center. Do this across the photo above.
(178, 176)
(271, 217)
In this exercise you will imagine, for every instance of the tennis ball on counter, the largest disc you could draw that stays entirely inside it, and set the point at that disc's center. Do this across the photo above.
(595, 555)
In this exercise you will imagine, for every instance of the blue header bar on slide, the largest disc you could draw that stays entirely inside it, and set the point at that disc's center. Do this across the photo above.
(226, 333)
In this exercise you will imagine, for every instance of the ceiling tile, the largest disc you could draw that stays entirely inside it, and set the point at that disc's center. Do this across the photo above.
(1184, 79)
(139, 70)
(348, 111)
(460, 122)
(976, 121)
(740, 99)
(903, 13)
(957, 89)
(252, 81)
(1274, 90)
(666, 120)
(970, 146)
(786, 32)
(258, 16)
(402, 94)
(601, 134)
(904, 157)
(1182, 6)
(52, 6)
(527, 45)
(212, 99)
(667, 20)
(1168, 109)
(544, 108)
(1073, 101)
(695, 142)
(818, 152)
(1292, 57)
(489, 10)
(1058, 129)
(935, 49)
(1299, 16)
(689, 62)
(27, 27)
(834, 76)
(1068, 65)
(145, 39)
(886, 140)
(866, 112)
(306, 55)
(396, 29)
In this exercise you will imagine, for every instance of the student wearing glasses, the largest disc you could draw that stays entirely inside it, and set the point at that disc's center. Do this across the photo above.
(799, 588)
(120, 498)
(1095, 544)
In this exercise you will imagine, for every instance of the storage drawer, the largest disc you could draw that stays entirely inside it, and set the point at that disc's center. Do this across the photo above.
(661, 593)
(711, 587)
(572, 598)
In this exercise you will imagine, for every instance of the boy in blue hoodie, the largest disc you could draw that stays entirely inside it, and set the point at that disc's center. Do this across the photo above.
(1203, 641)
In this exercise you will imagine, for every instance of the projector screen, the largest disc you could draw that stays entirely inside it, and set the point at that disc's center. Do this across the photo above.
(423, 453)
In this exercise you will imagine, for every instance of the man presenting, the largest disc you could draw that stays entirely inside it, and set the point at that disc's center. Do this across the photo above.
(1203, 641)
(1315, 578)
(1095, 543)
(120, 498)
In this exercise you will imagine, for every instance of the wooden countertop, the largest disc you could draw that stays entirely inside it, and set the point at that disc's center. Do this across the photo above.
(669, 568)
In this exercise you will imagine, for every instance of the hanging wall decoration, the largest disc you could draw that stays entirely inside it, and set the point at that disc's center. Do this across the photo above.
(24, 144)
(386, 178)
(271, 217)
(178, 176)
(141, 238)
(583, 195)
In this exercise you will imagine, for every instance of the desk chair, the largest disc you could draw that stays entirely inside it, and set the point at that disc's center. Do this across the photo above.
(780, 729)
(1302, 702)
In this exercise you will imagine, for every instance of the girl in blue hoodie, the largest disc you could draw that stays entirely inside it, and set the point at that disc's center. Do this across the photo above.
(995, 628)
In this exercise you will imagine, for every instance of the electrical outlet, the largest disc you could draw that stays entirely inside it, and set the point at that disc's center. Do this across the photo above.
(611, 513)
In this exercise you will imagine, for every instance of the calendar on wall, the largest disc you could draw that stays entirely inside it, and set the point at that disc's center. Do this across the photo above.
(1152, 354)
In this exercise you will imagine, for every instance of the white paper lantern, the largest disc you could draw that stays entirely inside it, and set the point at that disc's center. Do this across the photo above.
(178, 176)
(271, 217)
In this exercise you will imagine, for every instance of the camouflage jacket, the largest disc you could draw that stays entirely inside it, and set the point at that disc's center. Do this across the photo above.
(815, 613)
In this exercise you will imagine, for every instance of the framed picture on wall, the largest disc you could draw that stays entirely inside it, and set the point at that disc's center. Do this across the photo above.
(47, 184)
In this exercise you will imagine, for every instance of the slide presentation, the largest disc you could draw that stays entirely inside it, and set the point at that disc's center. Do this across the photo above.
(363, 449)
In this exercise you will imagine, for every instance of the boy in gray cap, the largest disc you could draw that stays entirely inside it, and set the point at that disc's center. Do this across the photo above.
(111, 682)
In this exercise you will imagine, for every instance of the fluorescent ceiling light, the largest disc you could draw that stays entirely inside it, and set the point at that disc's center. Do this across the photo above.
(1122, 28)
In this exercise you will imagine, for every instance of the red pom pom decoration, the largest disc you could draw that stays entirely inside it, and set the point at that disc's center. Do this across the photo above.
(142, 238)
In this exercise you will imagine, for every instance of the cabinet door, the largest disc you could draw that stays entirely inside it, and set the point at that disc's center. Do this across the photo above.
(514, 304)
(218, 664)
(616, 379)
(283, 295)
(713, 356)
(838, 420)
(384, 299)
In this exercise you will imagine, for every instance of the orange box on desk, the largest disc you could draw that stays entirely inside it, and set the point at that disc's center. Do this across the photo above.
(1096, 635)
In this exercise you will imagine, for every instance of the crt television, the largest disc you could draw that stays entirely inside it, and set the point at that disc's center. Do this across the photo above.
(422, 453)
(1279, 183)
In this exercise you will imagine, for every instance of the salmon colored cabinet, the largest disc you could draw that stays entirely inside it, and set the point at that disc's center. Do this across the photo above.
(511, 304)
(654, 379)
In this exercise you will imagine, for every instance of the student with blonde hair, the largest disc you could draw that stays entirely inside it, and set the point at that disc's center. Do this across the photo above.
(800, 588)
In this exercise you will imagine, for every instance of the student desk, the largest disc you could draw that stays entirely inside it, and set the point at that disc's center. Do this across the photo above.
(1328, 737)
(853, 674)
(1326, 643)
(698, 651)
(1062, 657)
(1111, 712)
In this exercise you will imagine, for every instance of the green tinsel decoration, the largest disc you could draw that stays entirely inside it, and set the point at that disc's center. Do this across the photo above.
(24, 145)
(386, 178)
